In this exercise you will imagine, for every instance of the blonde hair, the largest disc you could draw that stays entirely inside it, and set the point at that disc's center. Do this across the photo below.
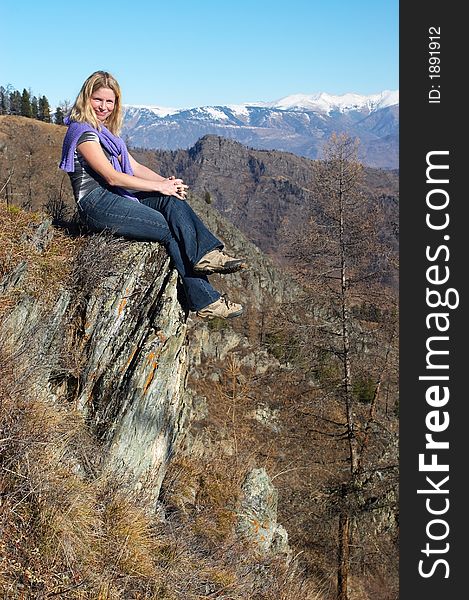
(82, 111)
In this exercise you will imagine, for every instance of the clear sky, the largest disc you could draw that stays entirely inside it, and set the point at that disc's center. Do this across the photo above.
(190, 53)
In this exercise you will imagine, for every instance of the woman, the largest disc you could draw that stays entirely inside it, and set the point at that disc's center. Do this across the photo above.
(104, 177)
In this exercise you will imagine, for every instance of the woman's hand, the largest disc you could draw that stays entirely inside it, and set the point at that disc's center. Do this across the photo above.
(174, 187)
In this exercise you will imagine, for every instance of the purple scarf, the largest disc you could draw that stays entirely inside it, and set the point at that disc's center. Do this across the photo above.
(114, 145)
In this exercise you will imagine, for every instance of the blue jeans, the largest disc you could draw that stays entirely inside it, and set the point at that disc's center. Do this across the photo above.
(157, 218)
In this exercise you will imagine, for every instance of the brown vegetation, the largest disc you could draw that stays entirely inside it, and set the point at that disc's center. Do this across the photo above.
(29, 165)
(290, 422)
(257, 190)
(66, 532)
(45, 262)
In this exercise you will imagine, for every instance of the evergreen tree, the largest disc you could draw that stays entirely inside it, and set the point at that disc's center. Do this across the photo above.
(59, 115)
(26, 110)
(15, 103)
(3, 100)
(34, 107)
(44, 109)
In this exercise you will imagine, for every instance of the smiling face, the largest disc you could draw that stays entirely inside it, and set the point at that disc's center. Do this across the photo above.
(103, 101)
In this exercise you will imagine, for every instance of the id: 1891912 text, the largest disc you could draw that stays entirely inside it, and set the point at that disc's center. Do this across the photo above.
(434, 68)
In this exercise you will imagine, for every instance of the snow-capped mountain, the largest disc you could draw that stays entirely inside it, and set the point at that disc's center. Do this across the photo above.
(299, 123)
(328, 103)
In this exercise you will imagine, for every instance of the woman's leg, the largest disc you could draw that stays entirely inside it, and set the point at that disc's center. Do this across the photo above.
(102, 209)
(194, 238)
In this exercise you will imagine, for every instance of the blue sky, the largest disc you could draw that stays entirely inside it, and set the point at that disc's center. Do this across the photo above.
(193, 53)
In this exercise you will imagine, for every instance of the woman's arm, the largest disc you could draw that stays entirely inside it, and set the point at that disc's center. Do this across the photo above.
(147, 173)
(144, 172)
(95, 157)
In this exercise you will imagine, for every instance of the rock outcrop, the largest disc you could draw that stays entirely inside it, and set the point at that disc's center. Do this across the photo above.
(257, 518)
(113, 345)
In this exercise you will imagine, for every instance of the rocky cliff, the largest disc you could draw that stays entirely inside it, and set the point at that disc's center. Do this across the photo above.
(265, 194)
(112, 344)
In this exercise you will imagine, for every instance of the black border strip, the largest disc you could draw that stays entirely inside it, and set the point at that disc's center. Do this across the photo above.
(433, 125)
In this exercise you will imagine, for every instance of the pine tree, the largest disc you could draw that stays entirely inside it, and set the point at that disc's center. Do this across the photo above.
(26, 110)
(34, 107)
(3, 100)
(59, 115)
(44, 110)
(15, 103)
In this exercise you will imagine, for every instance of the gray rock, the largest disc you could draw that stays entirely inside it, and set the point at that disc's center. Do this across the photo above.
(257, 517)
(14, 277)
(114, 345)
(40, 236)
(199, 408)
(267, 416)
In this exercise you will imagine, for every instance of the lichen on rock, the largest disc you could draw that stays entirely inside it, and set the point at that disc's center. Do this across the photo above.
(257, 517)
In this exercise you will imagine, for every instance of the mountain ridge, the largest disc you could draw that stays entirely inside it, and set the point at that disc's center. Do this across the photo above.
(255, 189)
(299, 124)
(320, 101)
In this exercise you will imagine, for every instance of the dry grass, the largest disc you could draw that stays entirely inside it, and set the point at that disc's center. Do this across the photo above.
(64, 530)
(29, 158)
(201, 499)
(46, 258)
(68, 533)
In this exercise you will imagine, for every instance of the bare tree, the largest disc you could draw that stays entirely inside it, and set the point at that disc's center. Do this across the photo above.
(342, 264)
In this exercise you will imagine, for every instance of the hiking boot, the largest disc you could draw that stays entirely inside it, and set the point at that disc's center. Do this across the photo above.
(221, 308)
(217, 261)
